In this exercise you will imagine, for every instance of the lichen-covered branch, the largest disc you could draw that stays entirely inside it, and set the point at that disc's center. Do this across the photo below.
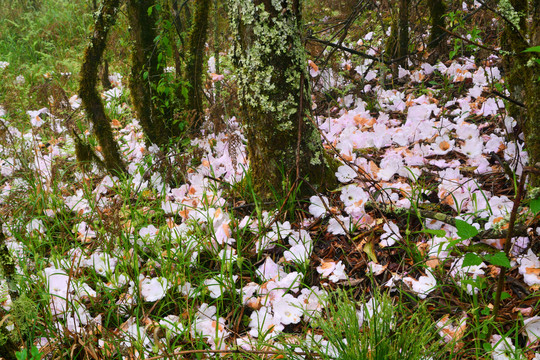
(91, 100)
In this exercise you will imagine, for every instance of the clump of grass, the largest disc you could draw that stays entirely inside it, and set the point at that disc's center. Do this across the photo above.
(379, 328)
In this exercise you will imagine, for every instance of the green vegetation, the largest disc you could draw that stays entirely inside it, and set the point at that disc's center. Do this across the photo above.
(226, 197)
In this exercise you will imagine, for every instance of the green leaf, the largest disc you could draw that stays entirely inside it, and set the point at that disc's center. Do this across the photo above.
(22, 355)
(533, 49)
(487, 347)
(453, 243)
(471, 259)
(499, 259)
(438, 233)
(150, 11)
(535, 206)
(368, 249)
(36, 355)
(465, 230)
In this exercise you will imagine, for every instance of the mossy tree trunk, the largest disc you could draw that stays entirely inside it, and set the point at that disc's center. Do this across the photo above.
(194, 66)
(91, 100)
(535, 38)
(522, 77)
(104, 76)
(403, 31)
(271, 69)
(153, 110)
(437, 10)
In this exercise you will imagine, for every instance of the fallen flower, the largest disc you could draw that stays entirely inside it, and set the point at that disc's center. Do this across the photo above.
(153, 289)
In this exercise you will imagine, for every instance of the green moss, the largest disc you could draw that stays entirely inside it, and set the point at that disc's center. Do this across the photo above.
(146, 72)
(390, 48)
(7, 346)
(194, 67)
(523, 83)
(24, 314)
(403, 49)
(91, 100)
(7, 265)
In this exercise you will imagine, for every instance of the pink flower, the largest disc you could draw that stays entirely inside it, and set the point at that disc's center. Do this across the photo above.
(326, 268)
(391, 234)
(216, 77)
(318, 205)
(338, 273)
(423, 286)
(154, 289)
(288, 310)
(264, 323)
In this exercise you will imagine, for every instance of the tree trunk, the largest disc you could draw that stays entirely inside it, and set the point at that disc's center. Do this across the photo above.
(523, 81)
(403, 31)
(535, 29)
(153, 111)
(91, 100)
(194, 67)
(104, 76)
(283, 144)
(437, 9)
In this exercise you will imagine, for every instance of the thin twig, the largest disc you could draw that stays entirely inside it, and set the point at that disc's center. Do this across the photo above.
(508, 244)
(349, 50)
(468, 41)
(356, 11)
(327, 208)
(502, 16)
(434, 41)
(513, 101)
(518, 229)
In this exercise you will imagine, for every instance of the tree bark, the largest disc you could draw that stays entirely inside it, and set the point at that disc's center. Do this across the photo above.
(153, 111)
(104, 76)
(194, 67)
(535, 27)
(522, 79)
(437, 9)
(403, 31)
(283, 144)
(91, 100)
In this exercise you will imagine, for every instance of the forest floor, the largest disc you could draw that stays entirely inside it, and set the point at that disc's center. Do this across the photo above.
(401, 261)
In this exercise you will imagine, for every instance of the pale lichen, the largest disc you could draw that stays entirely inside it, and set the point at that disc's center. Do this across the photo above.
(269, 37)
(508, 11)
(271, 69)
